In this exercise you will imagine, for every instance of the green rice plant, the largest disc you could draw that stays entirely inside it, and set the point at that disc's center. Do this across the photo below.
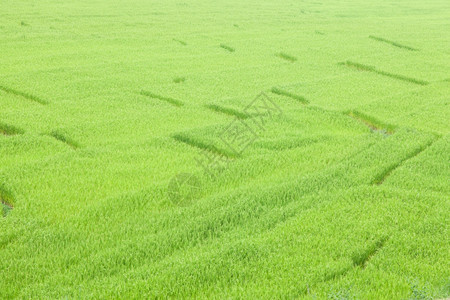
(23, 95)
(170, 100)
(9, 129)
(226, 47)
(360, 259)
(379, 179)
(301, 212)
(285, 93)
(197, 143)
(373, 123)
(179, 79)
(60, 136)
(6, 200)
(367, 68)
(392, 43)
(181, 42)
(228, 111)
(286, 56)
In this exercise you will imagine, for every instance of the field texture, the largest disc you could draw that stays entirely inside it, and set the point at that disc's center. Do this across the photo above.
(225, 149)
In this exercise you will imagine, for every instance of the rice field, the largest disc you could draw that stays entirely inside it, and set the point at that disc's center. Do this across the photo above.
(224, 149)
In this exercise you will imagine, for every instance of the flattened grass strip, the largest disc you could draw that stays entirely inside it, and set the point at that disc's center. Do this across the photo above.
(65, 139)
(22, 94)
(162, 98)
(6, 129)
(179, 79)
(361, 259)
(6, 201)
(180, 42)
(287, 57)
(202, 145)
(367, 68)
(281, 92)
(226, 47)
(380, 178)
(392, 43)
(228, 111)
(371, 122)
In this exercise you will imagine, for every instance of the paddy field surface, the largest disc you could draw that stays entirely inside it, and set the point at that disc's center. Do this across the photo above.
(224, 149)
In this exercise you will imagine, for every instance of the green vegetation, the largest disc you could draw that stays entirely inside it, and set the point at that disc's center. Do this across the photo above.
(231, 49)
(287, 57)
(278, 91)
(392, 43)
(9, 129)
(228, 111)
(142, 158)
(362, 67)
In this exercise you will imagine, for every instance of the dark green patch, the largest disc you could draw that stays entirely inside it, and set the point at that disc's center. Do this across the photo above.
(180, 42)
(281, 92)
(22, 94)
(193, 142)
(163, 98)
(228, 111)
(287, 57)
(379, 179)
(371, 122)
(64, 138)
(9, 129)
(226, 47)
(372, 69)
(392, 43)
(6, 201)
(360, 259)
(179, 79)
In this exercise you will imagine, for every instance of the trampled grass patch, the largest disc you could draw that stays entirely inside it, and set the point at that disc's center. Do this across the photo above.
(9, 129)
(228, 111)
(286, 56)
(228, 48)
(392, 43)
(62, 137)
(22, 94)
(362, 67)
(170, 100)
(6, 201)
(371, 122)
(281, 92)
(203, 145)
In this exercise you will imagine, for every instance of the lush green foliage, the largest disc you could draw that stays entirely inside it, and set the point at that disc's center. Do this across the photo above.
(340, 191)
